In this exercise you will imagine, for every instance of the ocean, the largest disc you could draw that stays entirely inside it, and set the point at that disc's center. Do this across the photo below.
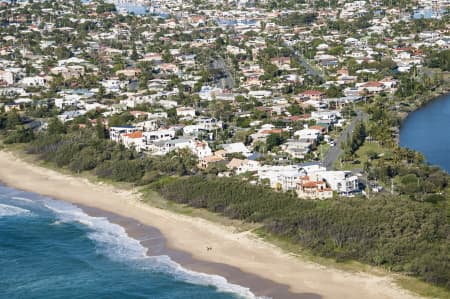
(53, 249)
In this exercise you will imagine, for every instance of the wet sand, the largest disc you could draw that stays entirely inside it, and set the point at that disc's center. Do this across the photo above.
(152, 239)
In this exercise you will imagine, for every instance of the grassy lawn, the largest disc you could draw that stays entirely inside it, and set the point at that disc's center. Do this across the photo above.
(362, 156)
(322, 150)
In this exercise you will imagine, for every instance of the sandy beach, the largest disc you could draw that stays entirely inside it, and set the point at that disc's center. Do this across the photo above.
(242, 258)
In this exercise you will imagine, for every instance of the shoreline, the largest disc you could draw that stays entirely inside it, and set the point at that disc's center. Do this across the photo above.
(267, 269)
(156, 244)
(427, 100)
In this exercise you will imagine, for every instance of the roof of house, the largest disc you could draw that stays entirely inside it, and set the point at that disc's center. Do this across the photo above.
(373, 84)
(273, 131)
(235, 163)
(212, 159)
(312, 92)
(137, 134)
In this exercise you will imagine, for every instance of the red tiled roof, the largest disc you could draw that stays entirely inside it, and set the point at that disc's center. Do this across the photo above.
(373, 84)
(309, 184)
(273, 131)
(312, 92)
(137, 134)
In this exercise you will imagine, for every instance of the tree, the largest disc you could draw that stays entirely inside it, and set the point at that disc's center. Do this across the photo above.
(101, 92)
(100, 129)
(55, 127)
(105, 7)
(274, 140)
(62, 53)
(134, 54)
(13, 120)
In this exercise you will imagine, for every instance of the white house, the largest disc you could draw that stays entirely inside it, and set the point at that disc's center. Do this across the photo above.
(192, 130)
(208, 123)
(281, 177)
(185, 112)
(201, 149)
(33, 81)
(308, 135)
(6, 78)
(243, 165)
(111, 85)
(165, 146)
(236, 148)
(296, 148)
(208, 93)
(158, 135)
(134, 139)
(70, 115)
(116, 132)
(325, 116)
(148, 125)
(344, 182)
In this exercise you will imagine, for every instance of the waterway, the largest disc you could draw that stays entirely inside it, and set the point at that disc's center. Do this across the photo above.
(427, 130)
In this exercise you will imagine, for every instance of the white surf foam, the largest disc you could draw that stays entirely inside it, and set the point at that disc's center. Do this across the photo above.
(22, 199)
(7, 210)
(113, 241)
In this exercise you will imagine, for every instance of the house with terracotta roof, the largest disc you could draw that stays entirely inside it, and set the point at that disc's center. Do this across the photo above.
(201, 149)
(134, 140)
(371, 87)
(115, 133)
(313, 189)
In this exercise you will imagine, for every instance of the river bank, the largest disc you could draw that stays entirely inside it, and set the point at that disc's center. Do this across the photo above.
(243, 252)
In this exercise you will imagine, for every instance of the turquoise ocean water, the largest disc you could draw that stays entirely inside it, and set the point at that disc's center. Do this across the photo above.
(52, 249)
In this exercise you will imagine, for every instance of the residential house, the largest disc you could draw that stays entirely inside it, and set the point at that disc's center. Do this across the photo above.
(236, 148)
(313, 189)
(312, 95)
(116, 132)
(310, 136)
(344, 182)
(185, 112)
(34, 81)
(6, 78)
(134, 140)
(243, 165)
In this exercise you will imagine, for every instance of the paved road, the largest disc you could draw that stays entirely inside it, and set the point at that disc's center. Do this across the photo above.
(227, 81)
(335, 151)
(313, 71)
